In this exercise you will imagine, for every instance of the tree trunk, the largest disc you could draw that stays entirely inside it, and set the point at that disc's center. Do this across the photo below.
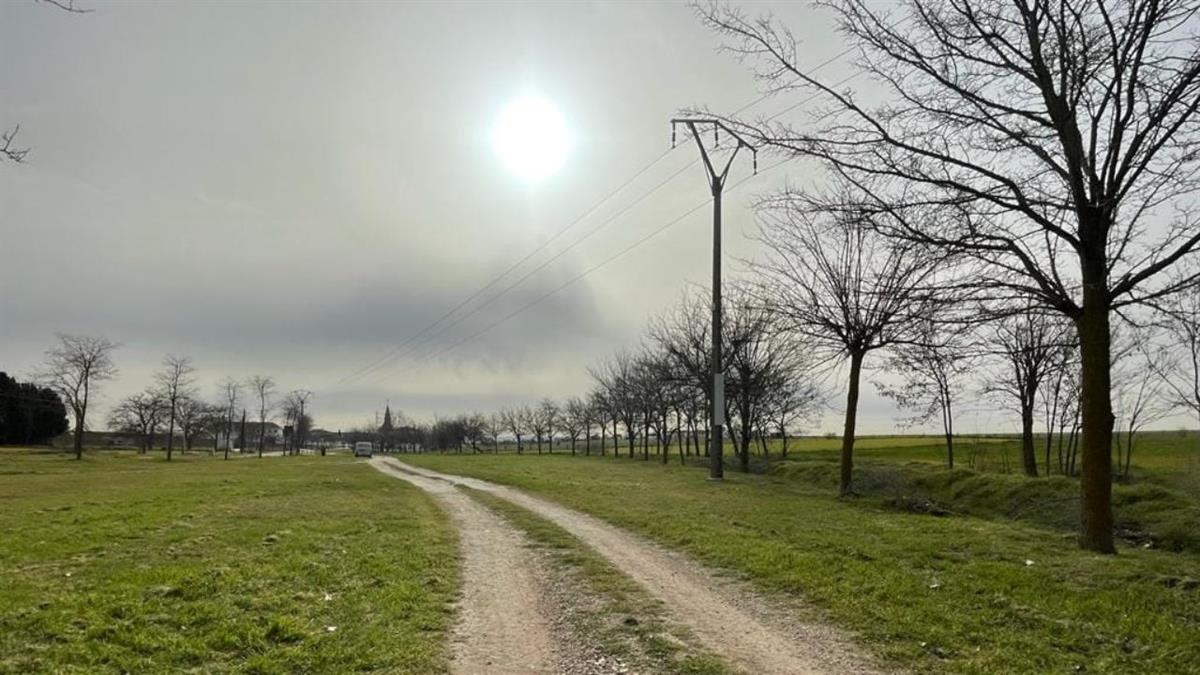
(744, 452)
(665, 443)
(1028, 453)
(847, 461)
(79, 417)
(949, 428)
(171, 433)
(1095, 343)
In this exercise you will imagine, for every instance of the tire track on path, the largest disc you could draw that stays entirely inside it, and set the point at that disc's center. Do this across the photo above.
(499, 626)
(728, 619)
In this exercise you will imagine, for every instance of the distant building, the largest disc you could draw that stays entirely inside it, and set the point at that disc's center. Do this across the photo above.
(272, 435)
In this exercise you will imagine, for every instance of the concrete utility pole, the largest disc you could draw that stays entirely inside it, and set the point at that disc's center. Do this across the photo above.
(302, 396)
(716, 180)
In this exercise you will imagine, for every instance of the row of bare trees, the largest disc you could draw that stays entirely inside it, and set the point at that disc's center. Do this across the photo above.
(173, 404)
(79, 365)
(657, 398)
(1052, 146)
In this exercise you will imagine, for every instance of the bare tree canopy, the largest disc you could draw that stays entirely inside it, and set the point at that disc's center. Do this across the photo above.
(8, 145)
(140, 414)
(1033, 347)
(933, 368)
(1176, 360)
(264, 389)
(847, 289)
(176, 382)
(9, 148)
(75, 369)
(1062, 138)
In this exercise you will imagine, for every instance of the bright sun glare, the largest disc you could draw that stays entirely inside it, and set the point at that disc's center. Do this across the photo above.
(531, 138)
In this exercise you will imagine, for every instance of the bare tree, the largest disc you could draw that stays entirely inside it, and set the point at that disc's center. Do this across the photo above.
(1176, 360)
(763, 357)
(847, 290)
(8, 145)
(493, 428)
(549, 416)
(933, 368)
(8, 139)
(576, 420)
(1140, 394)
(231, 394)
(684, 333)
(139, 414)
(190, 415)
(75, 369)
(1032, 346)
(475, 429)
(790, 403)
(175, 382)
(598, 402)
(516, 422)
(616, 376)
(299, 421)
(67, 6)
(1065, 137)
(264, 388)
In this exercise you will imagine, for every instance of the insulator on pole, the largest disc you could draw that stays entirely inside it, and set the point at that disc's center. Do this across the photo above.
(716, 135)
(755, 154)
(672, 135)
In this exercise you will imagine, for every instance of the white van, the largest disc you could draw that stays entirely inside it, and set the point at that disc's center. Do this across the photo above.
(363, 449)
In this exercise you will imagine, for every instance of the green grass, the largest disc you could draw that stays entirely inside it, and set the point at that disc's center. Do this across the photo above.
(627, 622)
(1146, 513)
(934, 594)
(121, 563)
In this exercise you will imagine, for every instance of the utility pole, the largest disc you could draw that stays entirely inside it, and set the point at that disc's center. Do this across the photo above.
(716, 181)
(302, 396)
(242, 435)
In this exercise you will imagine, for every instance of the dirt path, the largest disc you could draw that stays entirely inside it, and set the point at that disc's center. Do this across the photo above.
(749, 632)
(501, 627)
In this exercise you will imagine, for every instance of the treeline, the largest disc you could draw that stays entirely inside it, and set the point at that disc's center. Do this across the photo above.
(647, 401)
(29, 414)
(1041, 162)
(239, 415)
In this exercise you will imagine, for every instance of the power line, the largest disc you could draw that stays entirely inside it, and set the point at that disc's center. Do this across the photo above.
(414, 342)
(506, 272)
(399, 354)
(595, 267)
(475, 310)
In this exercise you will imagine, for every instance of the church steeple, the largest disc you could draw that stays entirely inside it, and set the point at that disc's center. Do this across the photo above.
(387, 419)
(386, 431)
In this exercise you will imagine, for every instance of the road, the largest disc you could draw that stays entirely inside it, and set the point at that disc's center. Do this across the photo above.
(751, 633)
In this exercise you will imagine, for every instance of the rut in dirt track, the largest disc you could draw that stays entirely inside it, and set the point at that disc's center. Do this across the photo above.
(749, 632)
(500, 627)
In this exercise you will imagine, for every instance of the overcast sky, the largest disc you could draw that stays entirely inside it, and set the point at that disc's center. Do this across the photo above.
(295, 189)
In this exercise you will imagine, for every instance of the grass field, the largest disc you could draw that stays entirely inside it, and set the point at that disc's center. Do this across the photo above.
(943, 594)
(128, 564)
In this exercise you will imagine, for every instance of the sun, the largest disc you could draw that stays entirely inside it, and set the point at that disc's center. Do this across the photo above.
(531, 138)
